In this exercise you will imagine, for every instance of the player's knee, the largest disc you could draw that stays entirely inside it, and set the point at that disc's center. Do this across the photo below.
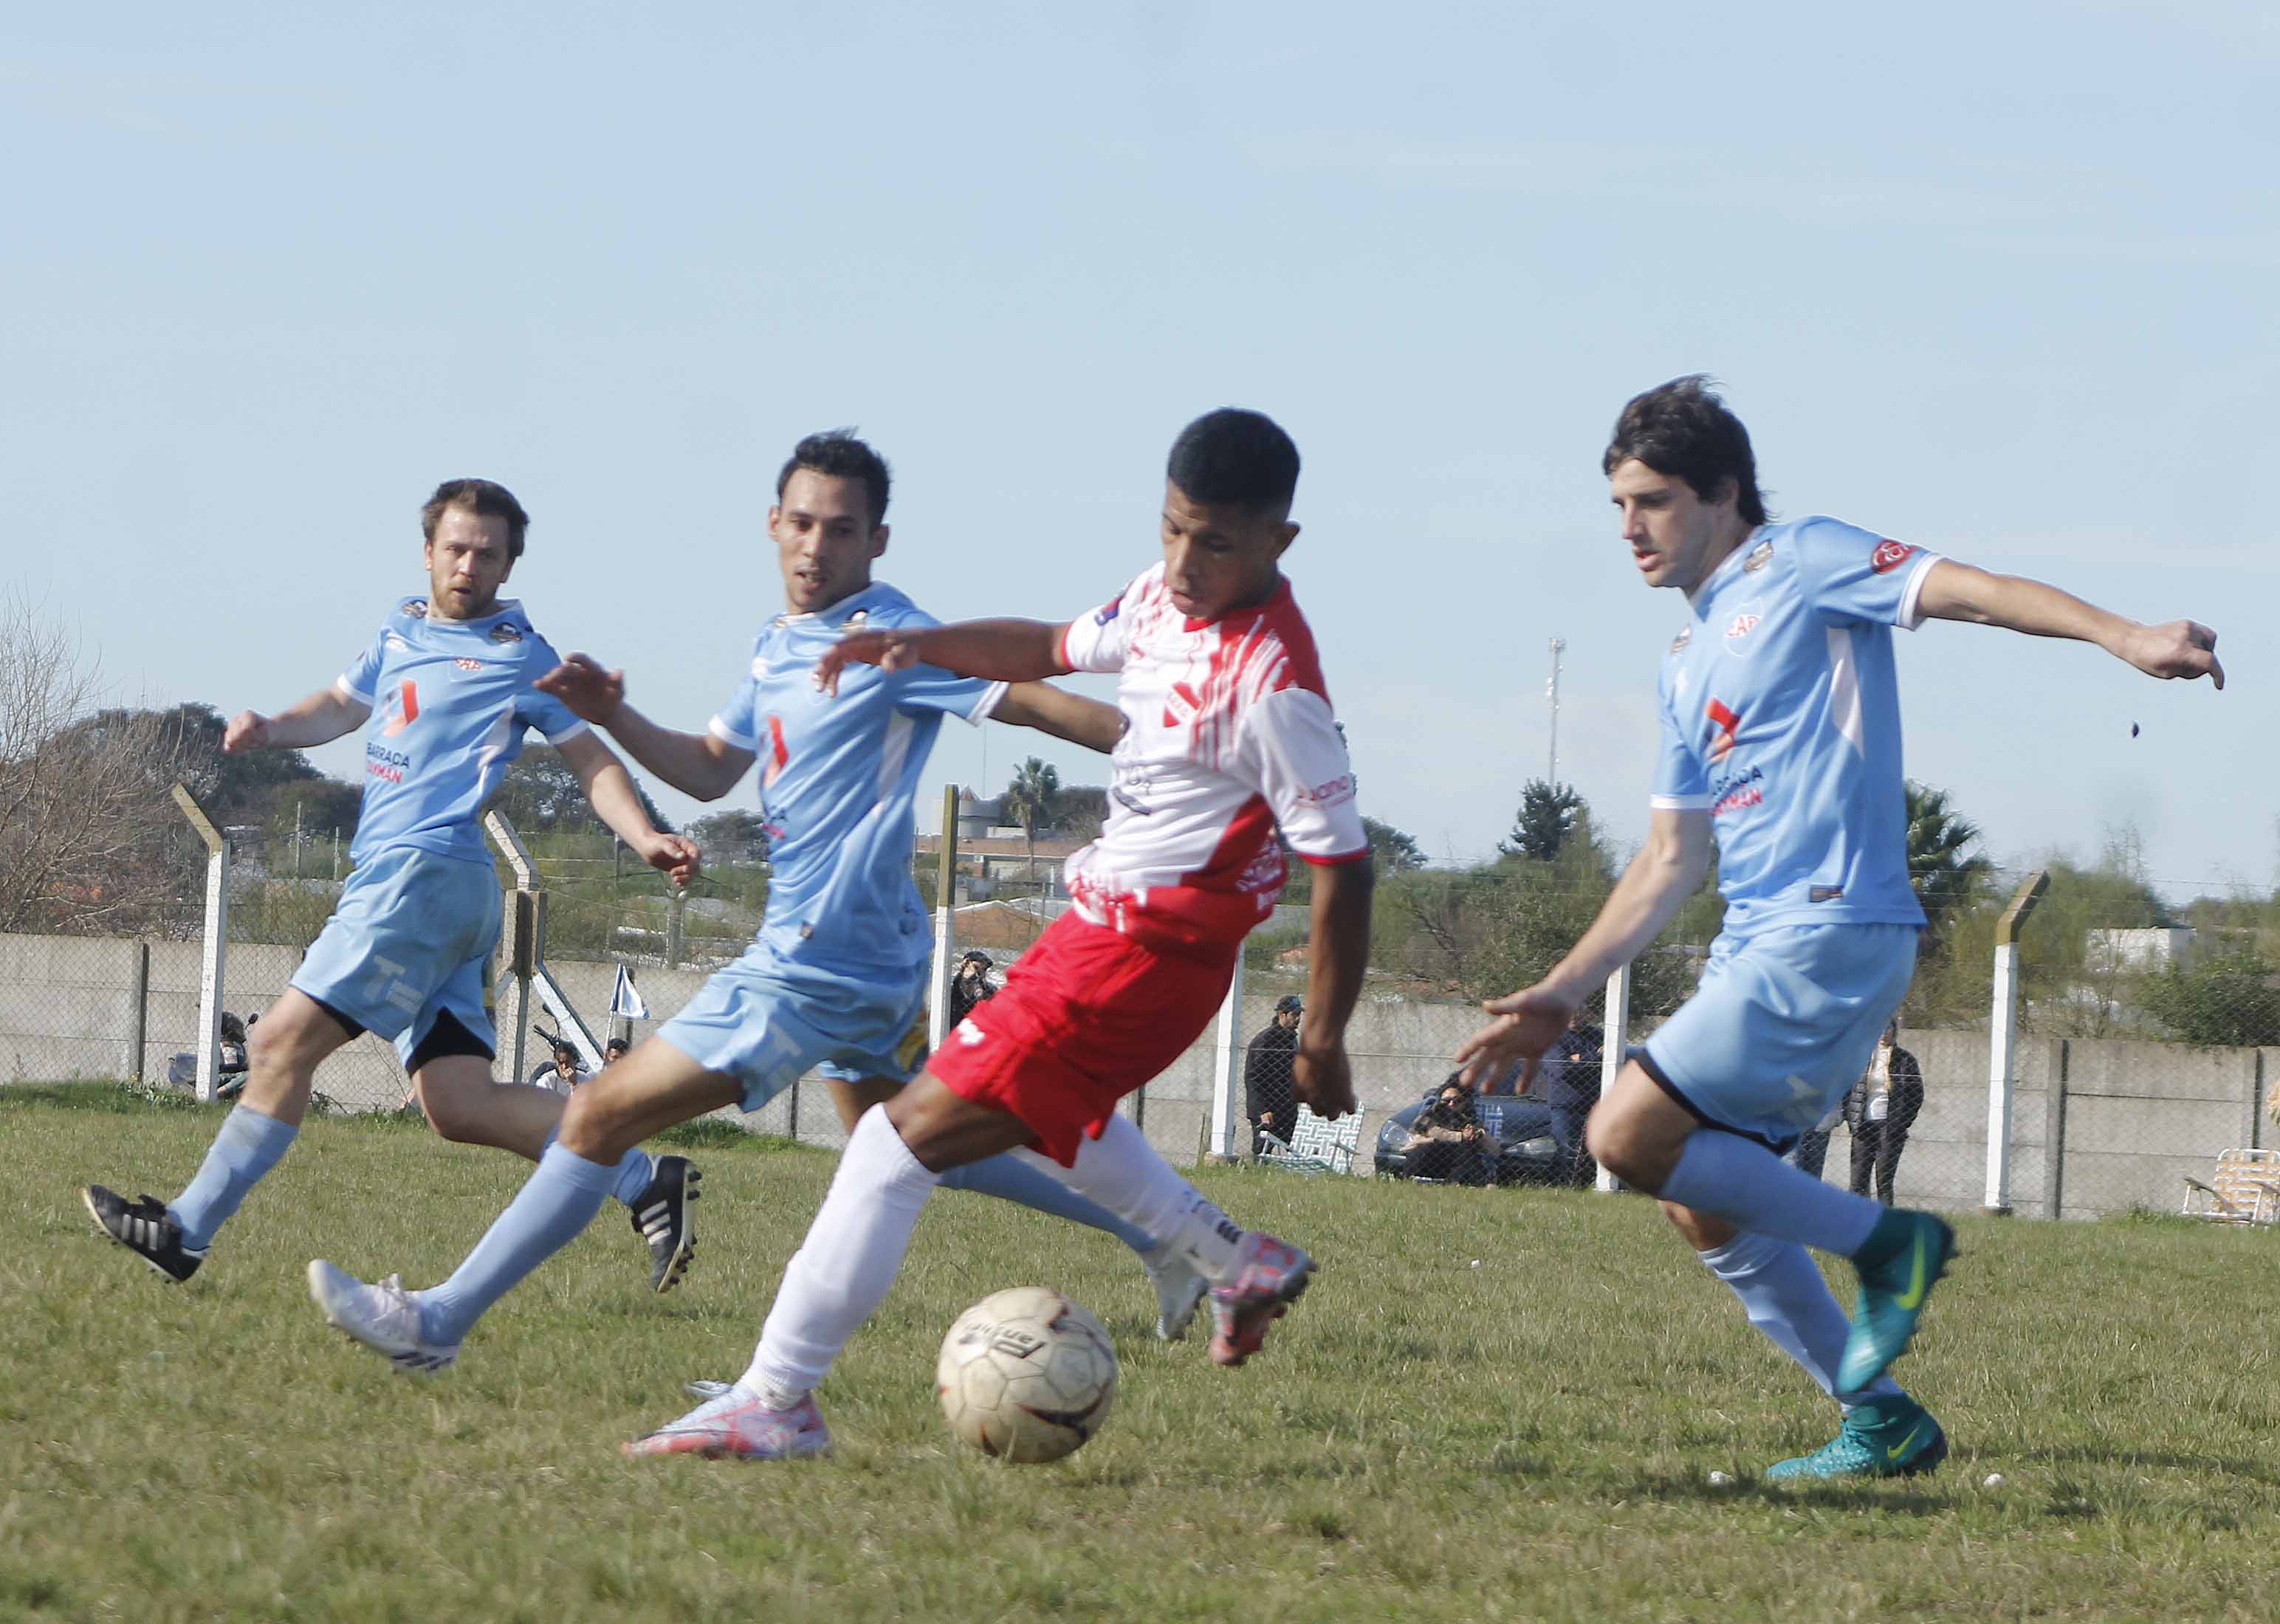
(1617, 1144)
(294, 1038)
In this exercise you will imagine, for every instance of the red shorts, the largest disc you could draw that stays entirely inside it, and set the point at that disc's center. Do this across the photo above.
(1086, 1016)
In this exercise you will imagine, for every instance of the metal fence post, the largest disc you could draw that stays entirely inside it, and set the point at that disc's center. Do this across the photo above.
(676, 904)
(526, 922)
(945, 895)
(217, 937)
(2002, 1061)
(138, 1009)
(2054, 1113)
(1614, 1027)
(1227, 1066)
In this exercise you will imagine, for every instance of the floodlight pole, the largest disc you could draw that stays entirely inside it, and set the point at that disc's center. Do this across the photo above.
(1552, 693)
(217, 932)
(2002, 1058)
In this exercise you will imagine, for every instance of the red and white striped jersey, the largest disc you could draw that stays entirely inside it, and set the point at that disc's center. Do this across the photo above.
(1228, 735)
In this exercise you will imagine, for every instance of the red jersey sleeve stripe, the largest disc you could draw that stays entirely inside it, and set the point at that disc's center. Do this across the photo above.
(1060, 650)
(1333, 862)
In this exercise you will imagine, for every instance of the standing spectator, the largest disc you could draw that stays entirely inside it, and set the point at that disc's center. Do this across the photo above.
(1880, 1110)
(971, 985)
(614, 1050)
(564, 1072)
(1571, 1087)
(1448, 1142)
(1268, 1100)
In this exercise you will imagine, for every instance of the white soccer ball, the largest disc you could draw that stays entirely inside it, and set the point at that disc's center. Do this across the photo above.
(1026, 1375)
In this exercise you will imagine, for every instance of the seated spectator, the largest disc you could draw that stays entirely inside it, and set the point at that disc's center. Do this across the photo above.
(971, 985)
(563, 1072)
(1448, 1142)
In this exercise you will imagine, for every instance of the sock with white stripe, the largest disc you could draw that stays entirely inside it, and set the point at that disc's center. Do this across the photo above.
(843, 1268)
(1782, 1292)
(248, 1146)
(558, 1199)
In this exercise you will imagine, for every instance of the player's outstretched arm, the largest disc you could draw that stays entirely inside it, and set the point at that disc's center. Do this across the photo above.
(696, 763)
(1061, 713)
(609, 789)
(1667, 870)
(1953, 591)
(1337, 953)
(998, 651)
(321, 717)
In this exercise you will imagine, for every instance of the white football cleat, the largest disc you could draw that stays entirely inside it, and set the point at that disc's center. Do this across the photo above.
(384, 1318)
(1178, 1289)
(740, 1423)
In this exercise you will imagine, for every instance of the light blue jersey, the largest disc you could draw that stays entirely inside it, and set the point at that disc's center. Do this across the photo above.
(838, 777)
(1780, 718)
(450, 702)
(836, 979)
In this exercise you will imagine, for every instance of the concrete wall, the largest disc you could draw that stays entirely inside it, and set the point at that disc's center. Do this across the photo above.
(2134, 1118)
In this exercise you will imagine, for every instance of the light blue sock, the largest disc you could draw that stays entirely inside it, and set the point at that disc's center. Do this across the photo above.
(634, 1173)
(553, 1205)
(1782, 1291)
(1747, 1185)
(1010, 1179)
(241, 1155)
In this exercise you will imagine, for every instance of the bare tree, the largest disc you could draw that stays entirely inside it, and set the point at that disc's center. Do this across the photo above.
(84, 840)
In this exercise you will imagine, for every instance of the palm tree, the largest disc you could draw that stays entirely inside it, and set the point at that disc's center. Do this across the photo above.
(1028, 801)
(1941, 869)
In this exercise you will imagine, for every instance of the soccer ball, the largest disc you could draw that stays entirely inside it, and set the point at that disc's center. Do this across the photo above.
(1026, 1375)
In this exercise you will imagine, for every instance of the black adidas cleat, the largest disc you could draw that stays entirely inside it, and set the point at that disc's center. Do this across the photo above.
(145, 1228)
(660, 1217)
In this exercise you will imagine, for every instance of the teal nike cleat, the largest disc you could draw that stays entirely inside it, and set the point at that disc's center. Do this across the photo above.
(1906, 1252)
(1889, 1437)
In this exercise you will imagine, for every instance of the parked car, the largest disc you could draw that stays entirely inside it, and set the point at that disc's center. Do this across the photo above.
(1521, 1129)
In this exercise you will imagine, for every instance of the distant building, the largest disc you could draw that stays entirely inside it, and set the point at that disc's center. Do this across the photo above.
(2129, 952)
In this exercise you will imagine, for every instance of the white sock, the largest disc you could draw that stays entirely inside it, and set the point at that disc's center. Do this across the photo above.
(1122, 1171)
(846, 1264)
(1782, 1291)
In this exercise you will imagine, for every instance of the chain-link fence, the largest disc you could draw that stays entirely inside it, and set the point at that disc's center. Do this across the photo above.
(2142, 1053)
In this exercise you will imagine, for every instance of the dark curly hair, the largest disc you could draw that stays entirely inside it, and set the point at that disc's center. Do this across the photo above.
(838, 453)
(1682, 429)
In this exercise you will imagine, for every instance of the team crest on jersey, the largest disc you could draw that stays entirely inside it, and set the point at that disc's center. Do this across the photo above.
(507, 631)
(1890, 555)
(1181, 704)
(1761, 555)
(465, 664)
(1742, 628)
(1685, 636)
(416, 607)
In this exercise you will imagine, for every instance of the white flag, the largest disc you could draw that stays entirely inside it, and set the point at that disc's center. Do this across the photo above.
(626, 999)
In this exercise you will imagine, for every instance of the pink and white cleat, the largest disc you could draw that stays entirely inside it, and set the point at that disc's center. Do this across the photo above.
(740, 1422)
(1269, 1277)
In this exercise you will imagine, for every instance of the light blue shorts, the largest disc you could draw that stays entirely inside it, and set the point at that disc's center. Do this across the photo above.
(410, 937)
(768, 1022)
(1781, 1025)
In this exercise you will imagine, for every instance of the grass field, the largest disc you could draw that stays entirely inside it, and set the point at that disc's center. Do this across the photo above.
(1530, 1438)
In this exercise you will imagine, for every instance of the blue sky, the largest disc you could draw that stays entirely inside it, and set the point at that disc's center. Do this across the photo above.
(1996, 280)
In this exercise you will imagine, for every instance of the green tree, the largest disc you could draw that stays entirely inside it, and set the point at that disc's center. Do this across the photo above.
(740, 835)
(2230, 998)
(1029, 801)
(1547, 817)
(1396, 853)
(540, 795)
(1945, 872)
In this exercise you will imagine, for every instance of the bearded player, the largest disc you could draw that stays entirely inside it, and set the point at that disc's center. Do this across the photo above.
(449, 686)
